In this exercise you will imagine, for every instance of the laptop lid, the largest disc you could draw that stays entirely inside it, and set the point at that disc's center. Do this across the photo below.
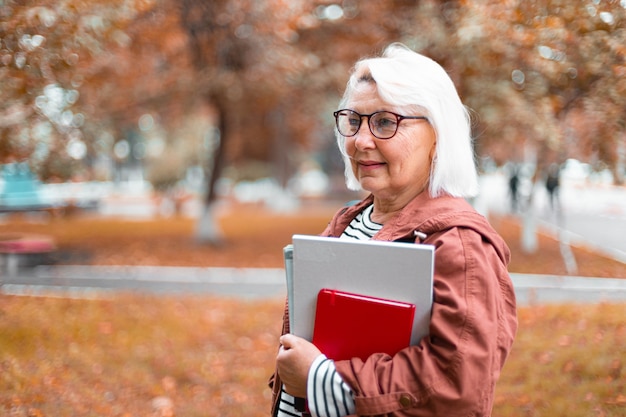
(390, 270)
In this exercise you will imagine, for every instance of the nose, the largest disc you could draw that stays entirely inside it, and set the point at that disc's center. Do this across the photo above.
(364, 139)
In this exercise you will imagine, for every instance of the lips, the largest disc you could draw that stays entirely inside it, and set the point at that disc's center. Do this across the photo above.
(370, 164)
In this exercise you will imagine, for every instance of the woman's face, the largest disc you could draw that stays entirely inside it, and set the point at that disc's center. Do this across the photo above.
(394, 169)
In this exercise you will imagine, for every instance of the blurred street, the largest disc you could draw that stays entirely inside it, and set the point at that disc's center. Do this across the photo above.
(94, 281)
(592, 215)
(255, 283)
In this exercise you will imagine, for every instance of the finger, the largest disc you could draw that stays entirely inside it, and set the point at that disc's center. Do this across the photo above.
(287, 341)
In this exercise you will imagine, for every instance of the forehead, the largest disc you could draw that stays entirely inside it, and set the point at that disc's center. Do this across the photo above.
(365, 97)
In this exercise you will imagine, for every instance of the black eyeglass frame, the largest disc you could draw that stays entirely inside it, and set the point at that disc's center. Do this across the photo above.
(399, 118)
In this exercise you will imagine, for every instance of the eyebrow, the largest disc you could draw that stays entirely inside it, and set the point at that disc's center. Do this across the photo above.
(367, 77)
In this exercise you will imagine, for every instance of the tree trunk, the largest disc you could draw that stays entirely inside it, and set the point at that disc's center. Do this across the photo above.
(529, 230)
(529, 222)
(207, 227)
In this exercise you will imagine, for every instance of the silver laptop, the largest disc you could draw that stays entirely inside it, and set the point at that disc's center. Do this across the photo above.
(391, 270)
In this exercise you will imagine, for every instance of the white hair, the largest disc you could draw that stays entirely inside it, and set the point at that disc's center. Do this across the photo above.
(407, 79)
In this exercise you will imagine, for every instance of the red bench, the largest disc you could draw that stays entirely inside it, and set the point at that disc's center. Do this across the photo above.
(18, 248)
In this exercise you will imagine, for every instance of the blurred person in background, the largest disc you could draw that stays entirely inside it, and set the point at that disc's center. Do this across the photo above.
(405, 138)
(553, 183)
(514, 181)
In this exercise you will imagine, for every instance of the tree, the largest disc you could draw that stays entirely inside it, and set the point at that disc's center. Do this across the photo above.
(270, 68)
(548, 60)
(47, 50)
(78, 76)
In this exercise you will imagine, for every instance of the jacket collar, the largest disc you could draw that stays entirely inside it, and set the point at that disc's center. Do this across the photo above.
(424, 216)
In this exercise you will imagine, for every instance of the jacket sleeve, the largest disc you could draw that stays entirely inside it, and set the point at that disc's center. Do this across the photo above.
(453, 370)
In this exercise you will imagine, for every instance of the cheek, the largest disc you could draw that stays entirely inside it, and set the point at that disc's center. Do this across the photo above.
(349, 146)
(409, 159)
(350, 150)
(402, 153)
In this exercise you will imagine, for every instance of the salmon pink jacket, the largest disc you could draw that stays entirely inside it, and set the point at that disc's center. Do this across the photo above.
(453, 371)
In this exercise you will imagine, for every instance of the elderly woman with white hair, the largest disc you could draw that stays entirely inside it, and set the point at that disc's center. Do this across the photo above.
(405, 138)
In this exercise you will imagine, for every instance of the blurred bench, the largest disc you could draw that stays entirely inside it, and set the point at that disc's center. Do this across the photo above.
(24, 249)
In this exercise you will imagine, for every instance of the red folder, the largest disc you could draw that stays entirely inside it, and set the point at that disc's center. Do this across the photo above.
(350, 325)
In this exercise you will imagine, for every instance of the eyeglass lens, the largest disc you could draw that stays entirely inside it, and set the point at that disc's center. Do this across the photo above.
(382, 124)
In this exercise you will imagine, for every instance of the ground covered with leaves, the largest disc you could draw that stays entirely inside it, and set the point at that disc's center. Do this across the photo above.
(133, 355)
(142, 355)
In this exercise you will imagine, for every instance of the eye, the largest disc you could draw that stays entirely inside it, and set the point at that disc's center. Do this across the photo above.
(385, 121)
(353, 119)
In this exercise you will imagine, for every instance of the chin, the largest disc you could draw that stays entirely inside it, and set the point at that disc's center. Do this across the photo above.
(369, 187)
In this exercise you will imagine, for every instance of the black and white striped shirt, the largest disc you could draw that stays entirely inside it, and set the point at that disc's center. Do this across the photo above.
(327, 394)
(362, 227)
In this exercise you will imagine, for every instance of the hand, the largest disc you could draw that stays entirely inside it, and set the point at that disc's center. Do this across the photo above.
(293, 361)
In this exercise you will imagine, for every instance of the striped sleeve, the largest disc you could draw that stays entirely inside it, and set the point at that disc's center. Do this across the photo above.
(327, 394)
(287, 405)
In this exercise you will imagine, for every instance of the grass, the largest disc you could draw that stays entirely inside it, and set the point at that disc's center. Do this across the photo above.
(568, 360)
(254, 238)
(119, 356)
(205, 356)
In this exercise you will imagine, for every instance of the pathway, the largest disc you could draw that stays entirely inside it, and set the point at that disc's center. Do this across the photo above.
(252, 283)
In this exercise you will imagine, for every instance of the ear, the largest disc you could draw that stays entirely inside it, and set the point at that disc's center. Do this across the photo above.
(433, 151)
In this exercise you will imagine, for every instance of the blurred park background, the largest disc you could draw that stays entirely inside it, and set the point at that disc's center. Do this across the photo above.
(205, 98)
(198, 133)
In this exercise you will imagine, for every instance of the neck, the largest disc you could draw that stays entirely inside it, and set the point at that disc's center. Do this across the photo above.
(386, 208)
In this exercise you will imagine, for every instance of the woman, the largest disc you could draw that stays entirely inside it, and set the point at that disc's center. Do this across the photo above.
(405, 138)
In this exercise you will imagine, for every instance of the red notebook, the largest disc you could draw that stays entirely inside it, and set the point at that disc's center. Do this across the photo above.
(350, 325)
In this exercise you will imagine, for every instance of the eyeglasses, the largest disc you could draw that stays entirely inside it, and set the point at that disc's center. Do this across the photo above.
(382, 124)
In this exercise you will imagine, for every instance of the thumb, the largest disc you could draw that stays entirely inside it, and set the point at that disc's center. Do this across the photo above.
(288, 341)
